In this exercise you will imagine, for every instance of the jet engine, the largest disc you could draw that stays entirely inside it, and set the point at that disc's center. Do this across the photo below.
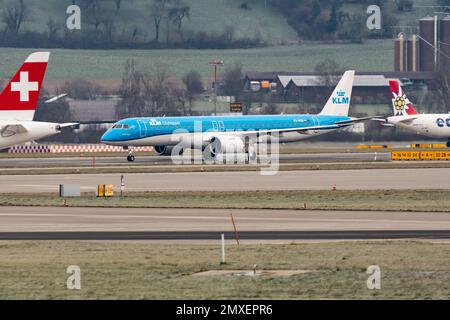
(225, 145)
(164, 150)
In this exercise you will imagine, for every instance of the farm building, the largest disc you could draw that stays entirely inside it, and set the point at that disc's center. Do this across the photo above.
(313, 87)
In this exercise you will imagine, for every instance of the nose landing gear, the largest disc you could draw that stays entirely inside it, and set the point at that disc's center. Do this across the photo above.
(130, 156)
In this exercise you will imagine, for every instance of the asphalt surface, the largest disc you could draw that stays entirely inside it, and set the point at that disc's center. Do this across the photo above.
(159, 160)
(246, 235)
(363, 179)
(207, 224)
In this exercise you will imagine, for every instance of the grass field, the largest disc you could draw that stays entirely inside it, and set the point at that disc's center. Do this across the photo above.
(377, 200)
(37, 270)
(109, 64)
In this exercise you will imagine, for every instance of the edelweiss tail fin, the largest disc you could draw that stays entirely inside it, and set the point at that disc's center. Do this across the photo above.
(400, 103)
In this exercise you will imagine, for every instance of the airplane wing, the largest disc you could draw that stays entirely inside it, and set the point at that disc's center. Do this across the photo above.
(353, 121)
(12, 129)
(408, 120)
(383, 122)
(75, 125)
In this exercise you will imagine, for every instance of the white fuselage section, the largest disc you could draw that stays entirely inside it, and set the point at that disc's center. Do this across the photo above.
(18, 132)
(430, 125)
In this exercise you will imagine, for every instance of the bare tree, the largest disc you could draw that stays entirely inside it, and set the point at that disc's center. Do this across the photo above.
(94, 13)
(14, 16)
(229, 33)
(150, 94)
(130, 90)
(52, 29)
(118, 4)
(159, 11)
(329, 72)
(194, 86)
(442, 86)
(178, 13)
(232, 81)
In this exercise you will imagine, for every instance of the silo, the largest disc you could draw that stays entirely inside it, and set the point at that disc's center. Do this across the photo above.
(400, 53)
(426, 26)
(413, 53)
(445, 39)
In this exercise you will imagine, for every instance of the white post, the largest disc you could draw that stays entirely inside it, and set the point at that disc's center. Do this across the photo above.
(223, 249)
(122, 185)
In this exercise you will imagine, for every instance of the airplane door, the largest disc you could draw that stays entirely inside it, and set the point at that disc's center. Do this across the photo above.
(316, 123)
(142, 128)
(221, 126)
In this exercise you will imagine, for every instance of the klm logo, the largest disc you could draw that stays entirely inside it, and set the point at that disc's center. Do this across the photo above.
(341, 98)
(154, 122)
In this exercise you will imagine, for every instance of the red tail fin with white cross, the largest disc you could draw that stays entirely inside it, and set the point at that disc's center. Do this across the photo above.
(19, 99)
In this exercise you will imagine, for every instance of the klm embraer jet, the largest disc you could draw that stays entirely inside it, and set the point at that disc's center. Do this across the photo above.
(219, 134)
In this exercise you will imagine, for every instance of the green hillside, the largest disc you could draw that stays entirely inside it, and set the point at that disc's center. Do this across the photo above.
(211, 16)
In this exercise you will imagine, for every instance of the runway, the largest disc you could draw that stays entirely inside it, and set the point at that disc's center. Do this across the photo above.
(207, 224)
(247, 235)
(159, 160)
(363, 179)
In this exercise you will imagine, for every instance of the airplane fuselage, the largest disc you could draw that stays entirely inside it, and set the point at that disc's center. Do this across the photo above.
(166, 131)
(34, 131)
(430, 125)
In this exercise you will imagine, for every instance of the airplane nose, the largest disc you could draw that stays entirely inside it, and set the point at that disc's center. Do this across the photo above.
(106, 137)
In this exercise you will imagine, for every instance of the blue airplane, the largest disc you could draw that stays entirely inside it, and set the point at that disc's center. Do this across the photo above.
(218, 134)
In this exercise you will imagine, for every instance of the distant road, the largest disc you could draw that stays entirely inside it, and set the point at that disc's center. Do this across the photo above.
(364, 179)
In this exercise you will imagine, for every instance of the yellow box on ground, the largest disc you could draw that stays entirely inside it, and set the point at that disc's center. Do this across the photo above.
(109, 190)
(428, 155)
(439, 146)
(442, 155)
(101, 190)
(105, 190)
(405, 155)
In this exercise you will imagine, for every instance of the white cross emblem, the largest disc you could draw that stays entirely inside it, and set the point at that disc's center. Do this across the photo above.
(24, 87)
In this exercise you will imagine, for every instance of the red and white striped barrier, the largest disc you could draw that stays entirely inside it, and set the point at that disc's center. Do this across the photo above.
(79, 148)
(30, 149)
